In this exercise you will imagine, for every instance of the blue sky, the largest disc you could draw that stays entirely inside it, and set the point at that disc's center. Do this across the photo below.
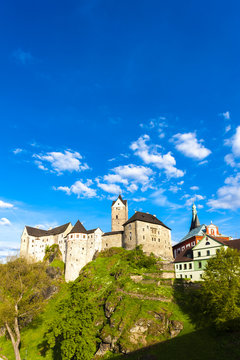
(101, 97)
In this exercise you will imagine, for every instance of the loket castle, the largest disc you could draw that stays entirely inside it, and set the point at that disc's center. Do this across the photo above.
(78, 245)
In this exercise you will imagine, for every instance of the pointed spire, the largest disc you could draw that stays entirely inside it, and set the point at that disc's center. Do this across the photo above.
(195, 220)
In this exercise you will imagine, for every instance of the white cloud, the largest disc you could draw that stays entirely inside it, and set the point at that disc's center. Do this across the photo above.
(190, 146)
(234, 142)
(110, 188)
(17, 151)
(80, 189)
(228, 128)
(225, 115)
(5, 205)
(150, 156)
(141, 199)
(61, 161)
(180, 182)
(228, 196)
(130, 176)
(193, 199)
(174, 188)
(4, 221)
(194, 188)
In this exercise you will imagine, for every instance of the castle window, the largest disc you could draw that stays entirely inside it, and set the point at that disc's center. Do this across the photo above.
(180, 267)
(71, 236)
(143, 237)
(208, 252)
(77, 236)
(147, 227)
(190, 276)
(106, 244)
(130, 226)
(82, 248)
(116, 216)
(199, 253)
(158, 240)
(176, 266)
(200, 265)
(185, 266)
(200, 276)
(190, 266)
(84, 236)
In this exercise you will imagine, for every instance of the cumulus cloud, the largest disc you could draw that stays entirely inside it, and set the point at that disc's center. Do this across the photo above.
(130, 176)
(234, 142)
(141, 199)
(174, 188)
(228, 196)
(61, 161)
(193, 199)
(17, 151)
(109, 188)
(194, 188)
(225, 115)
(190, 146)
(4, 221)
(151, 156)
(23, 57)
(5, 205)
(80, 189)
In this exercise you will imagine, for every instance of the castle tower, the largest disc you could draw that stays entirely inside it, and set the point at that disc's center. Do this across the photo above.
(76, 251)
(195, 220)
(119, 214)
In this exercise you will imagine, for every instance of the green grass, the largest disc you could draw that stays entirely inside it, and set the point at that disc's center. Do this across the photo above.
(103, 277)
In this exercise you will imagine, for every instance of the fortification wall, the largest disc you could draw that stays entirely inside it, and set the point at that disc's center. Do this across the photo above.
(114, 240)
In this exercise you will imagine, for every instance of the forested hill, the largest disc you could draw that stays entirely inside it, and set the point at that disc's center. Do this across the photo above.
(123, 305)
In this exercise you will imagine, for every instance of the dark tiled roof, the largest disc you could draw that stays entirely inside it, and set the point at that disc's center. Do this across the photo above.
(141, 216)
(184, 256)
(39, 232)
(234, 244)
(112, 233)
(78, 228)
(91, 231)
(124, 201)
(195, 223)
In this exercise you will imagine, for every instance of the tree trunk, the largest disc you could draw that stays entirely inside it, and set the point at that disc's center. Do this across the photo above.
(15, 342)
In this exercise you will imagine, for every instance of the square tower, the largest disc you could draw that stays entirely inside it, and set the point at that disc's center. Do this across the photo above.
(119, 214)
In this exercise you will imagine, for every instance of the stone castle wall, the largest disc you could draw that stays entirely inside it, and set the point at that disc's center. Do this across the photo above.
(153, 238)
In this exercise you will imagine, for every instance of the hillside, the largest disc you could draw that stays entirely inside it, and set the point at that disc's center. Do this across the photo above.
(136, 307)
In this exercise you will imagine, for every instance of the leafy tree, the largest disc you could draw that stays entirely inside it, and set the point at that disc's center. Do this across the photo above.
(221, 289)
(72, 334)
(22, 290)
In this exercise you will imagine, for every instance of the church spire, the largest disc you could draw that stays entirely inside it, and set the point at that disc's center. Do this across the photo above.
(195, 220)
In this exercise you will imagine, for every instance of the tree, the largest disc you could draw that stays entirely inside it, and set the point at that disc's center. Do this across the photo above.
(221, 289)
(22, 289)
(72, 334)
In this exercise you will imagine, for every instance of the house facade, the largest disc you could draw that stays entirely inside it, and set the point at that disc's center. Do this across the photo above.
(191, 263)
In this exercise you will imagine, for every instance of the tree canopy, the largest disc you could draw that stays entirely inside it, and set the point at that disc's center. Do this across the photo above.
(23, 288)
(221, 289)
(71, 334)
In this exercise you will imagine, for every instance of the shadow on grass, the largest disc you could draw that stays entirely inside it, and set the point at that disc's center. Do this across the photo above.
(205, 343)
(202, 344)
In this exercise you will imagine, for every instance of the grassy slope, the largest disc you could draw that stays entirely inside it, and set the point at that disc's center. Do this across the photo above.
(105, 276)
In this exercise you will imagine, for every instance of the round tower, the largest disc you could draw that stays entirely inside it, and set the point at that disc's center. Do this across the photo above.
(76, 251)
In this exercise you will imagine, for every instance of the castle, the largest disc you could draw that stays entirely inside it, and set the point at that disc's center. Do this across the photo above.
(78, 245)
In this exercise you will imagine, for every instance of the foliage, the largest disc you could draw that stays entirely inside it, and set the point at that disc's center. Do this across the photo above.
(221, 289)
(71, 334)
(138, 259)
(52, 252)
(22, 289)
